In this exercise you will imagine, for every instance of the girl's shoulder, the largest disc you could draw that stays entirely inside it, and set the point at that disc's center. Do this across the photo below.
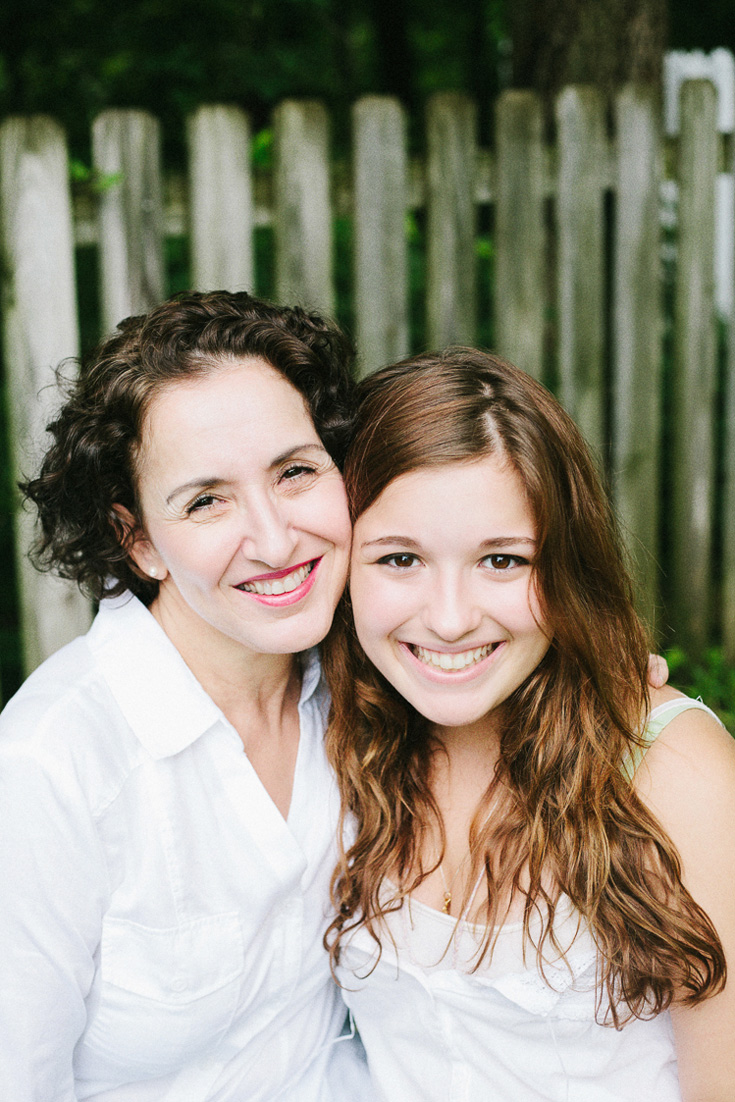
(667, 705)
(688, 746)
(687, 779)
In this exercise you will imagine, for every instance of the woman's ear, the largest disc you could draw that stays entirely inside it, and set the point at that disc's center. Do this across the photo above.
(144, 558)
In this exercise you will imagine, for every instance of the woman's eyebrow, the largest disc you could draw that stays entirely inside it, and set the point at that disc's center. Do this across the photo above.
(297, 449)
(215, 482)
(197, 484)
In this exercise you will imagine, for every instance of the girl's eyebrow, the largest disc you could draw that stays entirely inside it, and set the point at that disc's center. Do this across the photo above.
(405, 541)
(508, 541)
(495, 542)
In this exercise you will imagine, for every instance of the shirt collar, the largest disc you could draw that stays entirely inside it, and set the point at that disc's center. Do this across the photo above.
(161, 699)
(311, 674)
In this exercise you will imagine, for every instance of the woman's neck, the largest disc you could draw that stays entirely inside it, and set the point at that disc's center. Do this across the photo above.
(257, 693)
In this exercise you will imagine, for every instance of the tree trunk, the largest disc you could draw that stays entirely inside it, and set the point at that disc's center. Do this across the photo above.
(394, 56)
(601, 42)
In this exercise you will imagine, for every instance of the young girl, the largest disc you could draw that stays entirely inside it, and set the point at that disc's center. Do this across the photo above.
(537, 901)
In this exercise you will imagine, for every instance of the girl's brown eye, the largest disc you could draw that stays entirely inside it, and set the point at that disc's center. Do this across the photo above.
(505, 562)
(402, 560)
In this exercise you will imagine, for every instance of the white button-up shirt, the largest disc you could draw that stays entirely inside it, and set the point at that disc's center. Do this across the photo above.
(160, 922)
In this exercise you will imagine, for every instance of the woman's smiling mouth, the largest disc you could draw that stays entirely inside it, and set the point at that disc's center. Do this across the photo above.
(280, 581)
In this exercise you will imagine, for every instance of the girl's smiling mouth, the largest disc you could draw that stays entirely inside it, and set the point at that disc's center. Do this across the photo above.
(452, 662)
(446, 660)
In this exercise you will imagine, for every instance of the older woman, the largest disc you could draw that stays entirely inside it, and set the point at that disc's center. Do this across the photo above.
(168, 814)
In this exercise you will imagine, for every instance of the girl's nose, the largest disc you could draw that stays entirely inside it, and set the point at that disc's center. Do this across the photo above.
(451, 611)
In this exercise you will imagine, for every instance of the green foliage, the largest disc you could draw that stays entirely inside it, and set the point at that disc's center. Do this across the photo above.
(85, 178)
(710, 678)
(261, 148)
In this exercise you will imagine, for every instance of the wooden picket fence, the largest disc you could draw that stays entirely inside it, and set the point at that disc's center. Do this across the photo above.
(577, 254)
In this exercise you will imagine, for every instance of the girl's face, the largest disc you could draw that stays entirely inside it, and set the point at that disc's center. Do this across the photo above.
(443, 592)
(245, 514)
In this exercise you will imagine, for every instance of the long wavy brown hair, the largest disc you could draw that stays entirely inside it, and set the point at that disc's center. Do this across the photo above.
(566, 820)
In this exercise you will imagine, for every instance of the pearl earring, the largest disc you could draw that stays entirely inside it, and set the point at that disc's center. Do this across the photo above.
(153, 572)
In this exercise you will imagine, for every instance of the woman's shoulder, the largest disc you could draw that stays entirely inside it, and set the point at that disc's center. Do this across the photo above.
(62, 728)
(54, 687)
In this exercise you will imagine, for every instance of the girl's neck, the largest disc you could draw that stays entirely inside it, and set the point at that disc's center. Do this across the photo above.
(472, 749)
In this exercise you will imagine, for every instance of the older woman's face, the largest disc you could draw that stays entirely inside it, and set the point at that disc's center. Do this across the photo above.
(245, 515)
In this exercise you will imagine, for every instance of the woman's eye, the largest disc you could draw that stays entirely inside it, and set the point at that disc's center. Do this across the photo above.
(402, 560)
(203, 502)
(296, 470)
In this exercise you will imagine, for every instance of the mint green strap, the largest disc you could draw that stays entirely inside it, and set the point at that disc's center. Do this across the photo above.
(659, 718)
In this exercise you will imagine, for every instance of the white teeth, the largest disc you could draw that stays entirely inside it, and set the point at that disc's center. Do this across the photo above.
(280, 585)
(446, 661)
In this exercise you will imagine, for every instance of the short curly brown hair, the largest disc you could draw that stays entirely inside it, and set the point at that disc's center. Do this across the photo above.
(91, 464)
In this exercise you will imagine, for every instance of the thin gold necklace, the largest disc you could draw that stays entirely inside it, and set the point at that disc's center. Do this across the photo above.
(447, 904)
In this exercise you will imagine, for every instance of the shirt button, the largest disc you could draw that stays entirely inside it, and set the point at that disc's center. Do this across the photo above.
(178, 984)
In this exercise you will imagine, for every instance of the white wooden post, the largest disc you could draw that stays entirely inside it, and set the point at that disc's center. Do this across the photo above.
(695, 352)
(580, 217)
(451, 124)
(39, 331)
(728, 496)
(220, 199)
(127, 157)
(520, 275)
(302, 216)
(380, 203)
(637, 336)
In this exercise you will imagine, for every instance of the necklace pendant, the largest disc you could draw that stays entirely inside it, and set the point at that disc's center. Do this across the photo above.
(447, 903)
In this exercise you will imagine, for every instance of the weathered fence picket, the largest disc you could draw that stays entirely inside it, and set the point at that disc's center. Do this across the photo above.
(577, 284)
(380, 189)
(637, 337)
(580, 219)
(126, 151)
(521, 291)
(221, 214)
(302, 215)
(728, 495)
(695, 369)
(39, 331)
(728, 504)
(451, 150)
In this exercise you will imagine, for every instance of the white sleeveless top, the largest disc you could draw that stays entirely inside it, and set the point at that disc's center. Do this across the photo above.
(435, 1031)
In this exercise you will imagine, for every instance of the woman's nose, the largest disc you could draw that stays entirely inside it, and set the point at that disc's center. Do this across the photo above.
(269, 537)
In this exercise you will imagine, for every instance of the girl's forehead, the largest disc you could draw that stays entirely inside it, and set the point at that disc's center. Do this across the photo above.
(479, 495)
(475, 477)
